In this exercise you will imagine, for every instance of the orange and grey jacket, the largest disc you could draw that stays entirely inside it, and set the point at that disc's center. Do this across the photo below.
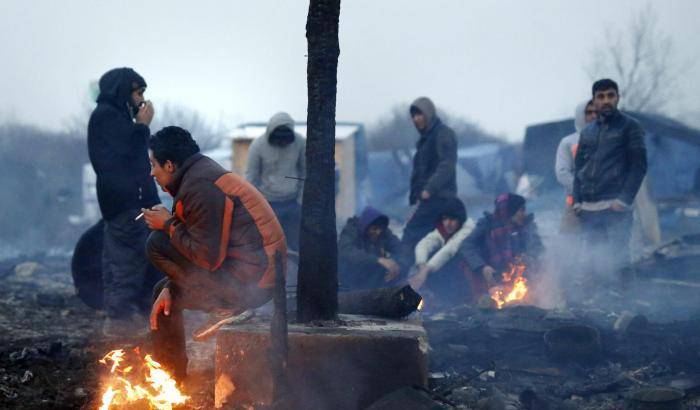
(221, 222)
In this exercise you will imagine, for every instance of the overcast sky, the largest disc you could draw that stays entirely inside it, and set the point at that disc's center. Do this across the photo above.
(501, 64)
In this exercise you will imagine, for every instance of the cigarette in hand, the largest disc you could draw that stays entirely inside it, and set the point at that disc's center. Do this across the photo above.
(139, 216)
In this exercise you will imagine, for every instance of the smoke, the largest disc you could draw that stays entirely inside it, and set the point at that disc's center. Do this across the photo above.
(598, 275)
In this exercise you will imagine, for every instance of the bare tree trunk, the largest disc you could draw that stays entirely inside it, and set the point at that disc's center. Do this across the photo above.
(317, 289)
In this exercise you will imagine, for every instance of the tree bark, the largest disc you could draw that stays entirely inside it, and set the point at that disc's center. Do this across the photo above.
(317, 297)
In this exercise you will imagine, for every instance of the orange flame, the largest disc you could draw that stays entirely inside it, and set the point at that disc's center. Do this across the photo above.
(515, 281)
(158, 389)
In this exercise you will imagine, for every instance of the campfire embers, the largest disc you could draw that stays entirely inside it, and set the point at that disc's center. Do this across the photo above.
(138, 381)
(513, 287)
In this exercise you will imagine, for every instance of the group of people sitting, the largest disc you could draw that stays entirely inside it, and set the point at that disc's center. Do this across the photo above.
(456, 262)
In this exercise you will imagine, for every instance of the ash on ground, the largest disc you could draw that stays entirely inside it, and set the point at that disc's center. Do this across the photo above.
(647, 337)
(50, 342)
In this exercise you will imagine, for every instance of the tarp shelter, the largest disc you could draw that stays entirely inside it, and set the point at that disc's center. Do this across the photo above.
(673, 154)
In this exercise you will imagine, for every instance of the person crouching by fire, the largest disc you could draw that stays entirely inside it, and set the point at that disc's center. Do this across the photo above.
(369, 254)
(218, 250)
(500, 239)
(437, 260)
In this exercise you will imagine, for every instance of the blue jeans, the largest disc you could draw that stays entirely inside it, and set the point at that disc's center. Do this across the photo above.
(289, 215)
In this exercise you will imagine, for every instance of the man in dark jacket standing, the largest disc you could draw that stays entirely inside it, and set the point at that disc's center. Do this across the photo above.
(433, 178)
(609, 168)
(117, 142)
(368, 252)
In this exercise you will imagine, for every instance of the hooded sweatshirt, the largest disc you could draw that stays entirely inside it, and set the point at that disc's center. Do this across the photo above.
(268, 165)
(564, 164)
(358, 265)
(436, 157)
(118, 147)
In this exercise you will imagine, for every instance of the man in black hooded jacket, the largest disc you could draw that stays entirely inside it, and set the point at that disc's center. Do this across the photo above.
(434, 175)
(117, 143)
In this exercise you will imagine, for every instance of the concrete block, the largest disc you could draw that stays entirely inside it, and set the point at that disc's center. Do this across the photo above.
(347, 366)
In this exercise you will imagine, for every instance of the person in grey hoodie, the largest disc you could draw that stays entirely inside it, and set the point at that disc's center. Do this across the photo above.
(277, 166)
(564, 164)
(434, 175)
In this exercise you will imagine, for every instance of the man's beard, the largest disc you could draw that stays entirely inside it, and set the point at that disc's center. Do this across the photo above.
(607, 111)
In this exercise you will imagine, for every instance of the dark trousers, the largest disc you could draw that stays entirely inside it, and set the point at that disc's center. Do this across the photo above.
(124, 264)
(289, 215)
(192, 288)
(607, 243)
(421, 223)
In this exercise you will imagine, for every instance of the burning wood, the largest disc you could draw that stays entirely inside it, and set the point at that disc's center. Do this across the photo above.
(514, 287)
(152, 385)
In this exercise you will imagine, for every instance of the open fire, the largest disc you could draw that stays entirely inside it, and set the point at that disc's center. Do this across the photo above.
(137, 381)
(513, 288)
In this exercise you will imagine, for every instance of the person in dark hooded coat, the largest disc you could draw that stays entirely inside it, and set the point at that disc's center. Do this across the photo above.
(434, 175)
(117, 144)
(368, 252)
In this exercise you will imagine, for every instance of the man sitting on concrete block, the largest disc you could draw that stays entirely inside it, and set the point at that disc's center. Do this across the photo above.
(217, 250)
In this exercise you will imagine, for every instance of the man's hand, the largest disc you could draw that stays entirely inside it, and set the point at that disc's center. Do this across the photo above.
(577, 208)
(418, 280)
(425, 195)
(392, 268)
(156, 217)
(488, 273)
(145, 114)
(162, 303)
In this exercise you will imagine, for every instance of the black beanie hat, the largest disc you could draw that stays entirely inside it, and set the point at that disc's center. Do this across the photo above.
(454, 208)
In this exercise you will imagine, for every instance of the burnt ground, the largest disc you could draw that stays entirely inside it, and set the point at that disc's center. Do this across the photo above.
(649, 337)
(479, 358)
(50, 342)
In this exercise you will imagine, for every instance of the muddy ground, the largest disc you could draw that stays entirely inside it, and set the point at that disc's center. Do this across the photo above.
(50, 342)
(50, 345)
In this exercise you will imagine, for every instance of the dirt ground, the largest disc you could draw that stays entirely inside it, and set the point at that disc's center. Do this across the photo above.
(50, 345)
(50, 342)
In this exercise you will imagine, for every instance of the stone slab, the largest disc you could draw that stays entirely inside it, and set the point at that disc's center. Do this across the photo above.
(346, 366)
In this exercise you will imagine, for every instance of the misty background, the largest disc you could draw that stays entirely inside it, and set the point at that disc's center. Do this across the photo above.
(492, 68)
